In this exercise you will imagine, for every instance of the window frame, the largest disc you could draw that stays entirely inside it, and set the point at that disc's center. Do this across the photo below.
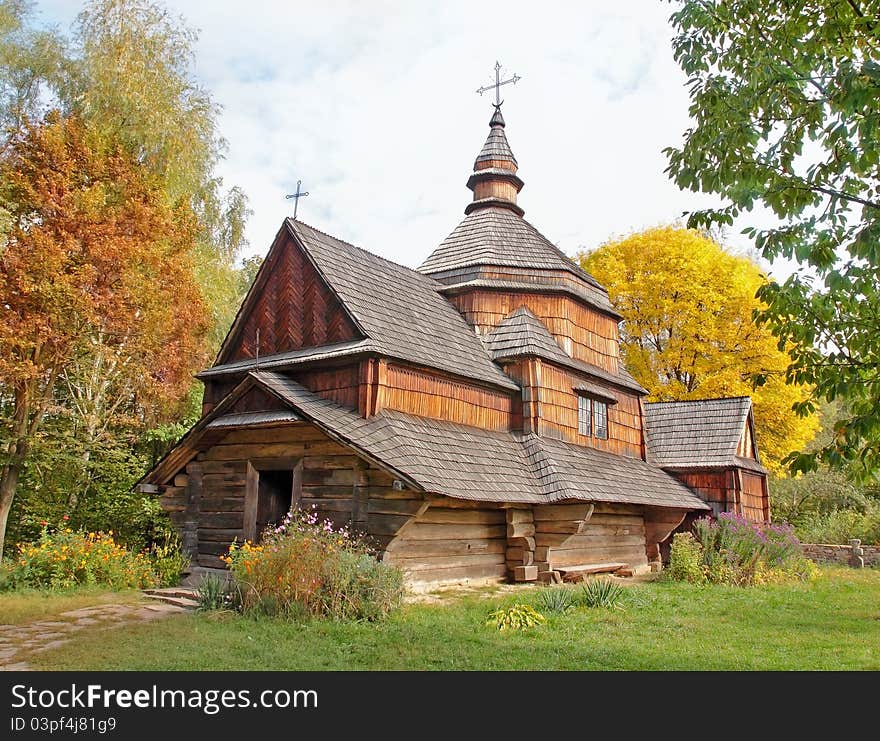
(585, 415)
(598, 405)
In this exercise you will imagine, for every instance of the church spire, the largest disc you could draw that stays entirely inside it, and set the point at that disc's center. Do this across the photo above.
(494, 181)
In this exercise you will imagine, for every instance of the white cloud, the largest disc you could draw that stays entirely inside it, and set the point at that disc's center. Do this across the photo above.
(373, 106)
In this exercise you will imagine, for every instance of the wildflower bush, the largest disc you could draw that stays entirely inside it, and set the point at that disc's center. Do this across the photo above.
(734, 550)
(168, 560)
(304, 567)
(64, 558)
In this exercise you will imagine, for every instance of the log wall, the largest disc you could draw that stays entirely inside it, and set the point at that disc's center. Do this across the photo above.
(207, 503)
(584, 333)
(614, 533)
(452, 542)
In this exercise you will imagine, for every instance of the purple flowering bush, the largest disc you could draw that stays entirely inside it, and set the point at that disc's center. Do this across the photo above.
(305, 567)
(734, 550)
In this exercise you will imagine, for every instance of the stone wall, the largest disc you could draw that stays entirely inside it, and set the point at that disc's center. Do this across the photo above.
(855, 554)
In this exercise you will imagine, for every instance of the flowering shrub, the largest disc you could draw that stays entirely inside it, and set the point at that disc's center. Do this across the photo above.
(734, 550)
(306, 567)
(64, 558)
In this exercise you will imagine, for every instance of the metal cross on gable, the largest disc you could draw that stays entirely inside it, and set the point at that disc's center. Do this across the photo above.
(296, 196)
(498, 83)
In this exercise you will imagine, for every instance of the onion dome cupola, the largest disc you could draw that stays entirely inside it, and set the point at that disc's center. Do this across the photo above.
(495, 182)
(495, 248)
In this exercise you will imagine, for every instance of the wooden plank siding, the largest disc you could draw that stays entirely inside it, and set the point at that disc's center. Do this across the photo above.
(339, 385)
(452, 542)
(418, 392)
(753, 499)
(712, 486)
(583, 332)
(209, 507)
(293, 308)
(746, 446)
(550, 407)
(613, 533)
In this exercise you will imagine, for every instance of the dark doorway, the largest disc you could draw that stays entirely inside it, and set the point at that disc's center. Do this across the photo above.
(274, 497)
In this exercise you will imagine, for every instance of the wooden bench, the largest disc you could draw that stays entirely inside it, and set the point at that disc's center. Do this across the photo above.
(576, 573)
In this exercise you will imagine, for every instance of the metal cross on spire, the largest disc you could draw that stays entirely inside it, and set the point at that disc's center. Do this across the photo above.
(296, 196)
(498, 83)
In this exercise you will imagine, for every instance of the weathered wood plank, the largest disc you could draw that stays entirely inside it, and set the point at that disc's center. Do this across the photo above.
(382, 524)
(461, 574)
(431, 531)
(463, 516)
(394, 506)
(270, 450)
(580, 511)
(417, 548)
(424, 563)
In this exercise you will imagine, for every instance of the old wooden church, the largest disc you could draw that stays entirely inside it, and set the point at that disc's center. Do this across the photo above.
(473, 416)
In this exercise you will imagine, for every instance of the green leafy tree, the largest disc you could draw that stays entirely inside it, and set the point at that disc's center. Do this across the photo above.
(96, 265)
(688, 331)
(784, 102)
(30, 61)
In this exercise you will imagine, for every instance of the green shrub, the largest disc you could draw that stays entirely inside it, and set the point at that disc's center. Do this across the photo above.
(515, 617)
(686, 559)
(733, 550)
(169, 561)
(304, 567)
(556, 600)
(839, 526)
(64, 558)
(602, 593)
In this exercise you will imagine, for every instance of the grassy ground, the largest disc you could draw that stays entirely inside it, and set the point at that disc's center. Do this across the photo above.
(831, 623)
(23, 607)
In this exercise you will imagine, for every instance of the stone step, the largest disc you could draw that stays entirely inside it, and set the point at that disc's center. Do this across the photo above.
(184, 592)
(177, 596)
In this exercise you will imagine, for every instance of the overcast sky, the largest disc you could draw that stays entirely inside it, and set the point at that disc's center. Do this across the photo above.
(373, 105)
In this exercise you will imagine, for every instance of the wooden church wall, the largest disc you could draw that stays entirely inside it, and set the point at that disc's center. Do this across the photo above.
(452, 542)
(557, 401)
(614, 533)
(208, 501)
(712, 486)
(753, 497)
(418, 392)
(584, 333)
(339, 385)
(295, 309)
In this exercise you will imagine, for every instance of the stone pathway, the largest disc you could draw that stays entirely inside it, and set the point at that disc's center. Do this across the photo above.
(20, 642)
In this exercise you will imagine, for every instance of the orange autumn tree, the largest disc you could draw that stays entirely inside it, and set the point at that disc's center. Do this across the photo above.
(689, 334)
(93, 262)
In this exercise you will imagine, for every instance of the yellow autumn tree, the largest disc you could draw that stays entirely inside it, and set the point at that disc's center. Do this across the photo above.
(688, 331)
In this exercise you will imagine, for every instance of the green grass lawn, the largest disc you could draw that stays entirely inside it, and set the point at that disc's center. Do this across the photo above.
(830, 623)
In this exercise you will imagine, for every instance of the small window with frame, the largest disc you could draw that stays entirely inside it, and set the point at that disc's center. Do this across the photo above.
(600, 419)
(585, 415)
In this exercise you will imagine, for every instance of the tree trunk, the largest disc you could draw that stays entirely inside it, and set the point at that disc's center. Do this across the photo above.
(8, 485)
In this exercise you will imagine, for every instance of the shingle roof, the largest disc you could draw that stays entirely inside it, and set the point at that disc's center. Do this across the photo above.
(697, 434)
(472, 463)
(399, 309)
(497, 236)
(496, 146)
(522, 333)
(294, 357)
